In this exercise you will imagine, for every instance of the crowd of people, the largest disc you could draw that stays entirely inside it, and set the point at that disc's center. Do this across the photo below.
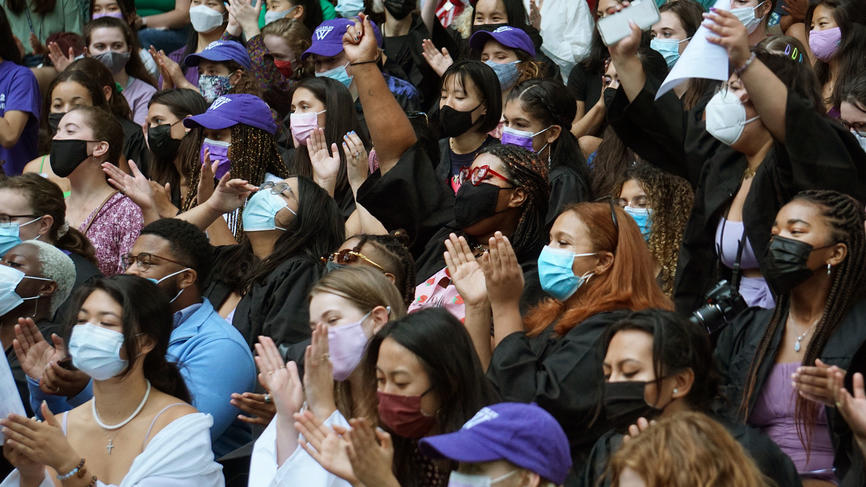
(458, 243)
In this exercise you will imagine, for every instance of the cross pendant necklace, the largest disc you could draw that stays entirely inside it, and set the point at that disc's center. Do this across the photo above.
(110, 445)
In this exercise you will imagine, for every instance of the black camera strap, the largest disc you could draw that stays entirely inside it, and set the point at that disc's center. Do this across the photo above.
(736, 271)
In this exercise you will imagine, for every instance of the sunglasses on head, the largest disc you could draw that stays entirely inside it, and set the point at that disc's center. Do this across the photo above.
(350, 256)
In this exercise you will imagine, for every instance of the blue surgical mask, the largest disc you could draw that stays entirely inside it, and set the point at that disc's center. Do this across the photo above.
(96, 351)
(261, 210)
(157, 281)
(9, 280)
(644, 219)
(213, 87)
(668, 48)
(10, 235)
(457, 479)
(337, 74)
(520, 138)
(506, 72)
(555, 272)
(746, 15)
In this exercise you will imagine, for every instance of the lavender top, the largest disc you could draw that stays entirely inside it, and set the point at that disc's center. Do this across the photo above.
(191, 73)
(138, 94)
(115, 227)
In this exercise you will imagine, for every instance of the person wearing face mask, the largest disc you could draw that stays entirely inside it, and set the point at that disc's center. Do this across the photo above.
(519, 445)
(118, 10)
(660, 204)
(490, 14)
(595, 267)
(417, 362)
(111, 41)
(223, 68)
(774, 362)
(86, 137)
(469, 107)
(388, 254)
(139, 411)
(506, 191)
(209, 19)
(347, 308)
(537, 116)
(837, 37)
(35, 279)
(760, 155)
(853, 109)
(656, 365)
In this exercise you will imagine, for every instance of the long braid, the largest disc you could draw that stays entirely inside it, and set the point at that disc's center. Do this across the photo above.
(845, 216)
(528, 172)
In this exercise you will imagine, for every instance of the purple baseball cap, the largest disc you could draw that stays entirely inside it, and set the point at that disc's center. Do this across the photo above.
(230, 110)
(507, 36)
(523, 434)
(221, 51)
(328, 37)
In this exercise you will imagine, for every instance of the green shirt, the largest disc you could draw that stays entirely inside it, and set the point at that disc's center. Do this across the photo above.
(66, 17)
(328, 12)
(146, 8)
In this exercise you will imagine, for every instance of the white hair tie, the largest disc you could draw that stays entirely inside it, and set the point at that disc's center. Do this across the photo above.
(63, 229)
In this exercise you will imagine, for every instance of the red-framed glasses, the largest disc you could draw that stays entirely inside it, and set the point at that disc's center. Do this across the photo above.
(479, 174)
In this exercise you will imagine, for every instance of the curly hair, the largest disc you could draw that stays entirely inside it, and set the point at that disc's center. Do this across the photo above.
(393, 255)
(671, 198)
(188, 244)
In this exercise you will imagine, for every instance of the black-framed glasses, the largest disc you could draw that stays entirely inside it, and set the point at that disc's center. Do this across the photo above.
(145, 260)
(7, 219)
(277, 188)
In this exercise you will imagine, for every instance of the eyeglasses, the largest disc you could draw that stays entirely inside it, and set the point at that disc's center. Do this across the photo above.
(349, 256)
(478, 174)
(145, 260)
(7, 219)
(277, 188)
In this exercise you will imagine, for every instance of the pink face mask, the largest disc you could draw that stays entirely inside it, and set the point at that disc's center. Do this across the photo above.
(116, 15)
(825, 43)
(346, 344)
(303, 124)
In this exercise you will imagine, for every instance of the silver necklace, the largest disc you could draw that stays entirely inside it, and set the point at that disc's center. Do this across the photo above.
(803, 335)
(123, 423)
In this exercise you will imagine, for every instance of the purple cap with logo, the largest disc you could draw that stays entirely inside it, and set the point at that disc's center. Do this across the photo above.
(230, 110)
(221, 51)
(523, 434)
(328, 37)
(507, 36)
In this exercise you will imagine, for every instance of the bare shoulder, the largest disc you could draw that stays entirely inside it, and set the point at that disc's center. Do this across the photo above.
(165, 409)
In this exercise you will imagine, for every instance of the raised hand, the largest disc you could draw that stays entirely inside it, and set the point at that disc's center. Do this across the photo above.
(326, 164)
(440, 61)
(258, 408)
(327, 445)
(852, 408)
(357, 165)
(535, 13)
(466, 273)
(33, 352)
(319, 374)
(502, 271)
(60, 381)
(135, 186)
(815, 383)
(371, 454)
(162, 199)
(730, 33)
(230, 194)
(206, 179)
(58, 58)
(280, 379)
(637, 428)
(41, 442)
(247, 15)
(359, 42)
(626, 47)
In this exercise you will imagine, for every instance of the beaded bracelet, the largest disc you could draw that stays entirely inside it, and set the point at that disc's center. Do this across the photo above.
(71, 473)
(745, 65)
(366, 62)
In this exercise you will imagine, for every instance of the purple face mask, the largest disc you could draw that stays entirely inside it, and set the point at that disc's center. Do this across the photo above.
(116, 15)
(346, 344)
(825, 43)
(219, 152)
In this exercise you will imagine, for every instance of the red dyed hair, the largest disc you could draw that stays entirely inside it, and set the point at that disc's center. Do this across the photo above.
(630, 283)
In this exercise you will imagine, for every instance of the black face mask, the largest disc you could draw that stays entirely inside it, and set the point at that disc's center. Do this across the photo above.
(785, 263)
(400, 8)
(609, 94)
(161, 143)
(54, 121)
(624, 403)
(66, 155)
(487, 27)
(475, 203)
(454, 122)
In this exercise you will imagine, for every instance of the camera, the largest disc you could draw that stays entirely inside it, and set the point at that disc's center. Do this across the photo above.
(723, 304)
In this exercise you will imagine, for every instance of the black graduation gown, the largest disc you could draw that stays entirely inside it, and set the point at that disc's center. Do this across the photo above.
(567, 186)
(818, 154)
(278, 305)
(585, 85)
(771, 461)
(84, 271)
(737, 346)
(409, 197)
(563, 375)
(134, 145)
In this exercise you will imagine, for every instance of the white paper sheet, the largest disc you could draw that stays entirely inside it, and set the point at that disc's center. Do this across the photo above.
(700, 59)
(10, 401)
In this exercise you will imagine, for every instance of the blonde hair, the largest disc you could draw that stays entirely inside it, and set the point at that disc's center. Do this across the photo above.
(688, 449)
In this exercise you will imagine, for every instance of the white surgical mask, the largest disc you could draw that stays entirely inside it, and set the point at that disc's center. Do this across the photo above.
(96, 351)
(9, 280)
(457, 479)
(747, 16)
(205, 19)
(726, 117)
(157, 281)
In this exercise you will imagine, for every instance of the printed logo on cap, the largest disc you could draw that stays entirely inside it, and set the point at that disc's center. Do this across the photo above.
(215, 44)
(482, 416)
(219, 102)
(504, 28)
(322, 31)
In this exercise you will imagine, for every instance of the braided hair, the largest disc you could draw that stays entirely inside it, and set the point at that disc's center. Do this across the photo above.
(529, 173)
(393, 249)
(845, 217)
(670, 198)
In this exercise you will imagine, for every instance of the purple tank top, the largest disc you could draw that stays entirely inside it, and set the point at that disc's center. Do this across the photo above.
(774, 415)
(753, 289)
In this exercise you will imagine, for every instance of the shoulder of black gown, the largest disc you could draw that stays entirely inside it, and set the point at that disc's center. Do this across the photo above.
(134, 145)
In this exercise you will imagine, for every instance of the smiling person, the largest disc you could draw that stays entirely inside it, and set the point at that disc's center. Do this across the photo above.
(775, 361)
(111, 42)
(138, 426)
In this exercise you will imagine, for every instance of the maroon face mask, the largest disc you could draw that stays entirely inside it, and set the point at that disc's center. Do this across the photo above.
(403, 415)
